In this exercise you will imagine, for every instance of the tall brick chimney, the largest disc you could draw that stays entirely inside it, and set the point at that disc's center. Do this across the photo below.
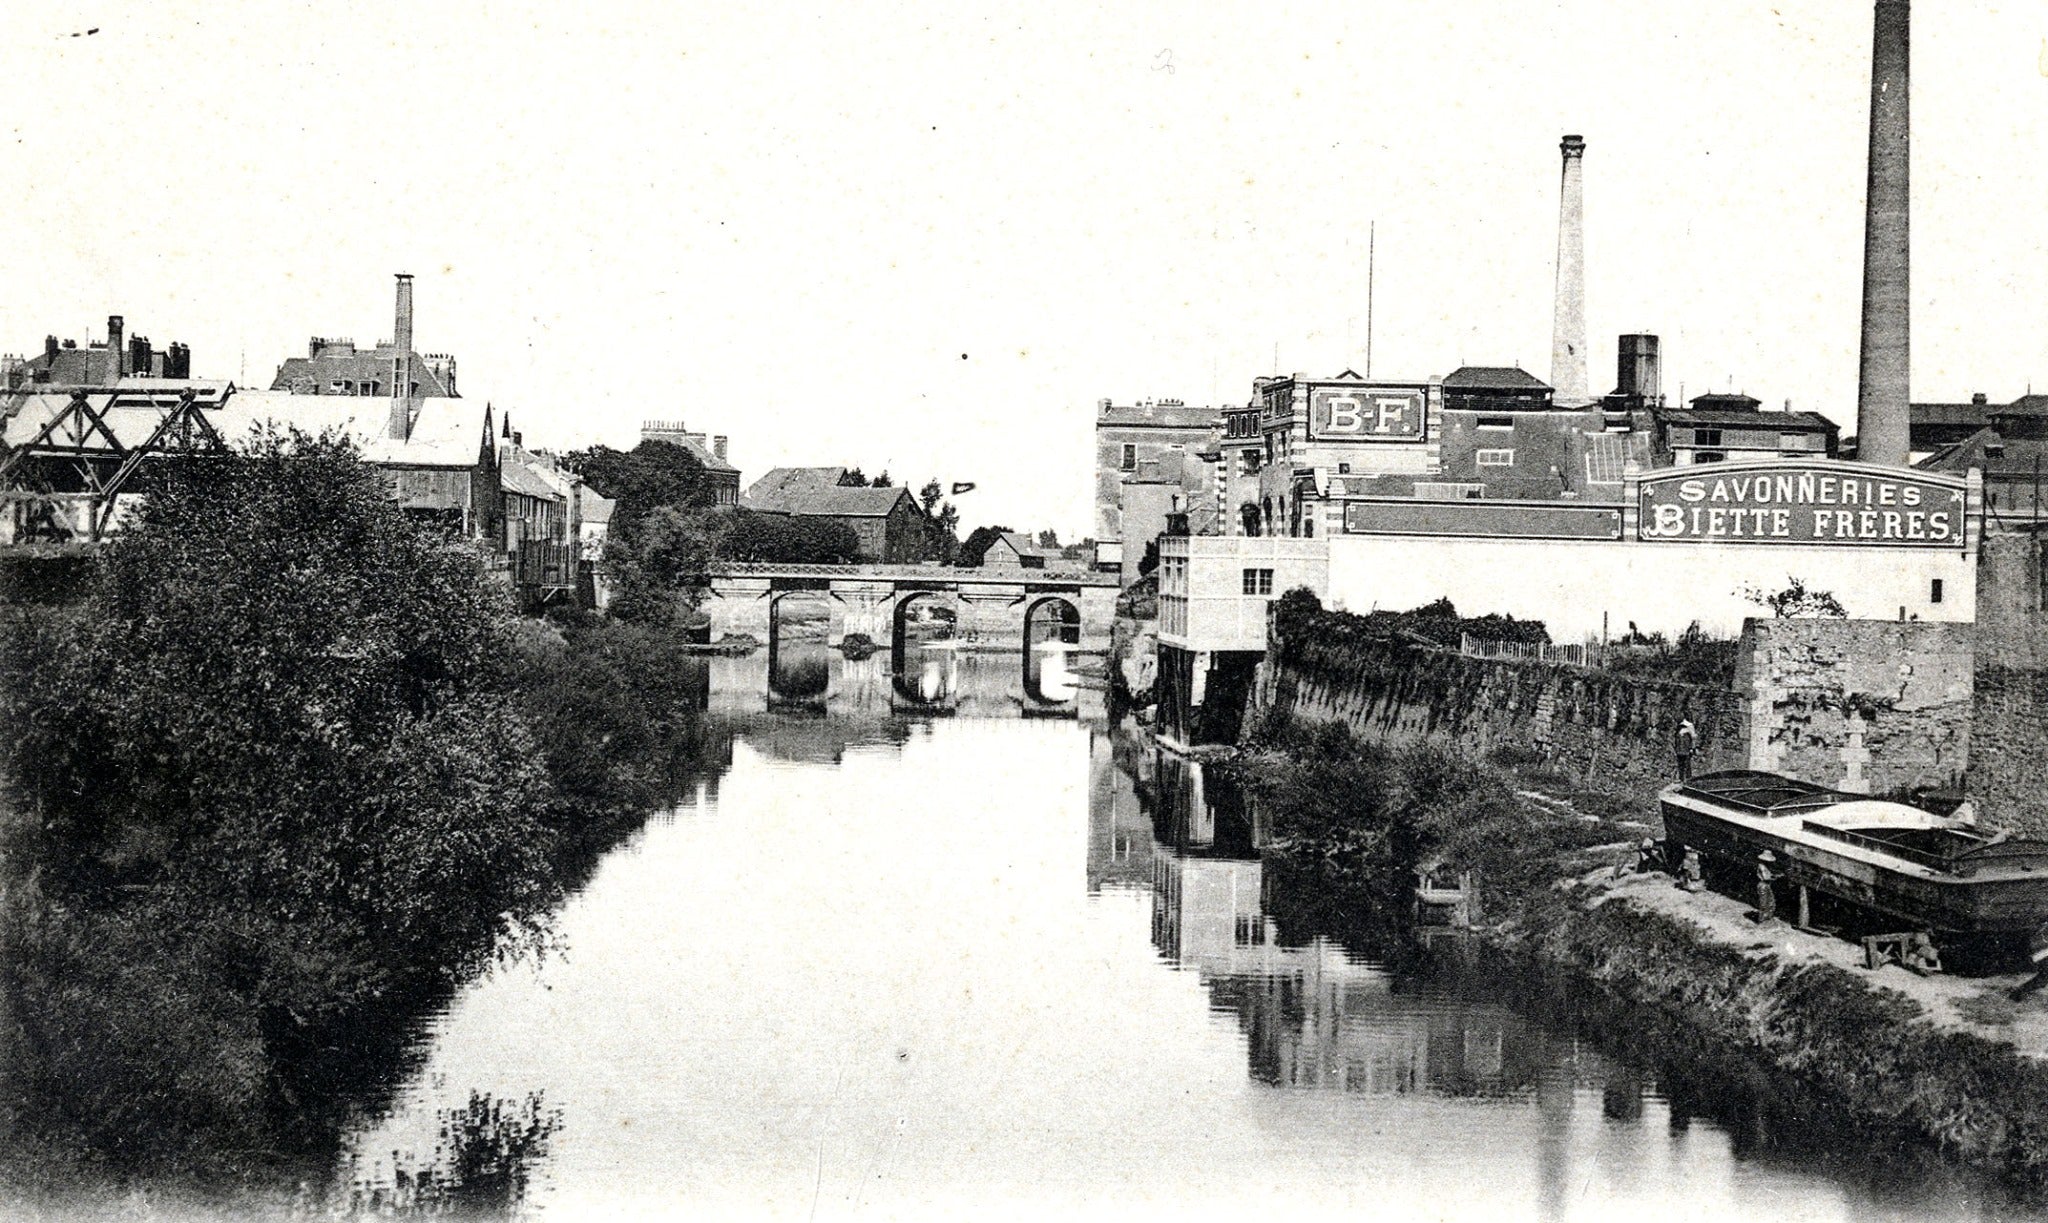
(1883, 383)
(117, 346)
(1568, 317)
(401, 362)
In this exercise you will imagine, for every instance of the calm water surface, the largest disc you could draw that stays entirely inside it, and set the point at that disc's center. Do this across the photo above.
(998, 965)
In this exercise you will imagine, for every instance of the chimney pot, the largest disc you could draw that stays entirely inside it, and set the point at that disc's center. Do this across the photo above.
(1980, 398)
(718, 447)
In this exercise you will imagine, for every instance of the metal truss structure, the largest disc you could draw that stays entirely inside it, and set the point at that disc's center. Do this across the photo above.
(61, 482)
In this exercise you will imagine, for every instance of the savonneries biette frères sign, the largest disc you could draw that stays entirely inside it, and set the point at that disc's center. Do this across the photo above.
(1802, 503)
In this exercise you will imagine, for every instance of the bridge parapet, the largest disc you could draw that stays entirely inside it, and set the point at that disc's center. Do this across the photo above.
(914, 573)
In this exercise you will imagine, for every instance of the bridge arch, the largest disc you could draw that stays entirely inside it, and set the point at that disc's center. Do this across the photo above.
(1050, 622)
(799, 646)
(924, 643)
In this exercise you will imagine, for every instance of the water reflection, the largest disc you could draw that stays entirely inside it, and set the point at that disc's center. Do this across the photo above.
(1607, 1122)
(482, 1161)
(990, 965)
(937, 678)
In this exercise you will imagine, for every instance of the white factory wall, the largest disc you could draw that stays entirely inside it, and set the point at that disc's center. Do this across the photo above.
(1570, 585)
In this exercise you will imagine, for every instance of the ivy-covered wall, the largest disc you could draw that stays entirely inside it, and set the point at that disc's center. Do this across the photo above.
(1614, 732)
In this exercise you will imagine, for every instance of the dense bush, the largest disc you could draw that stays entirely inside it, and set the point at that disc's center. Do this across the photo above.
(288, 768)
(1695, 658)
(1364, 817)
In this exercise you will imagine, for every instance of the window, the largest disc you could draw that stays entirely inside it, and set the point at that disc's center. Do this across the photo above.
(1706, 437)
(1708, 456)
(1258, 581)
(1496, 422)
(1248, 463)
(1343, 469)
(1496, 458)
(1934, 592)
(1130, 461)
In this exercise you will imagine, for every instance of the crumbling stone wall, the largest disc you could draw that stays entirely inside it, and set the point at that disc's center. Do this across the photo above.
(2009, 723)
(1867, 706)
(1614, 732)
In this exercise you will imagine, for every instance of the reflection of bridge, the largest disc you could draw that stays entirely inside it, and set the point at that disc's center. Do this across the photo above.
(993, 609)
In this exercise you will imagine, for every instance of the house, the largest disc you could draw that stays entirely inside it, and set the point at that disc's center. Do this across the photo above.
(1016, 550)
(1152, 458)
(390, 370)
(888, 522)
(442, 468)
(710, 452)
(63, 364)
(1719, 428)
(2012, 452)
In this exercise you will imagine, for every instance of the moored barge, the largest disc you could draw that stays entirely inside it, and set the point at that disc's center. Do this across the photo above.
(1894, 866)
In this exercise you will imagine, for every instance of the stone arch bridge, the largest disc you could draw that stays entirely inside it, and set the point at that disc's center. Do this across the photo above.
(992, 606)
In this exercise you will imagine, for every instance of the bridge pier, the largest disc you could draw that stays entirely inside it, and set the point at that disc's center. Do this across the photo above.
(740, 605)
(867, 607)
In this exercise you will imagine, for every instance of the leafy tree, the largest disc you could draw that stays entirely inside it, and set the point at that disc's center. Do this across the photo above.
(853, 477)
(652, 474)
(657, 569)
(1049, 539)
(976, 546)
(788, 539)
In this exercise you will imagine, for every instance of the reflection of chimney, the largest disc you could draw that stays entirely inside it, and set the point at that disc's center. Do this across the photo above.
(1883, 386)
(1568, 315)
(116, 346)
(1640, 368)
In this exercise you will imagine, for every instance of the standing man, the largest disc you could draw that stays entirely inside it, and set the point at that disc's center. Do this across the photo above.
(1687, 739)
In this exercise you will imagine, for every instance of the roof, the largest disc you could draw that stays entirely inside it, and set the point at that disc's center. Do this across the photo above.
(1157, 416)
(519, 475)
(816, 490)
(2017, 454)
(1025, 545)
(597, 510)
(1725, 401)
(354, 365)
(1736, 419)
(445, 433)
(702, 453)
(2025, 405)
(1493, 378)
(1950, 413)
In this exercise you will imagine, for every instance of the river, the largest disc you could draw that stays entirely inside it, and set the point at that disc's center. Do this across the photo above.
(1025, 966)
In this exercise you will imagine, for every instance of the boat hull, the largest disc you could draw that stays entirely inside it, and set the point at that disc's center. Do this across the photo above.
(2003, 903)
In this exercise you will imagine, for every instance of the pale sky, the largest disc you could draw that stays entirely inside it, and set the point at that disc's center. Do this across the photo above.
(929, 238)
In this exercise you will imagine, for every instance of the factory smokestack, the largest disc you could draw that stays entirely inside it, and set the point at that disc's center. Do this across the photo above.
(401, 363)
(1883, 385)
(1568, 319)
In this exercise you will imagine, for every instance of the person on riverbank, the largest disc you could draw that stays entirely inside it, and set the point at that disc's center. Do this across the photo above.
(1686, 739)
